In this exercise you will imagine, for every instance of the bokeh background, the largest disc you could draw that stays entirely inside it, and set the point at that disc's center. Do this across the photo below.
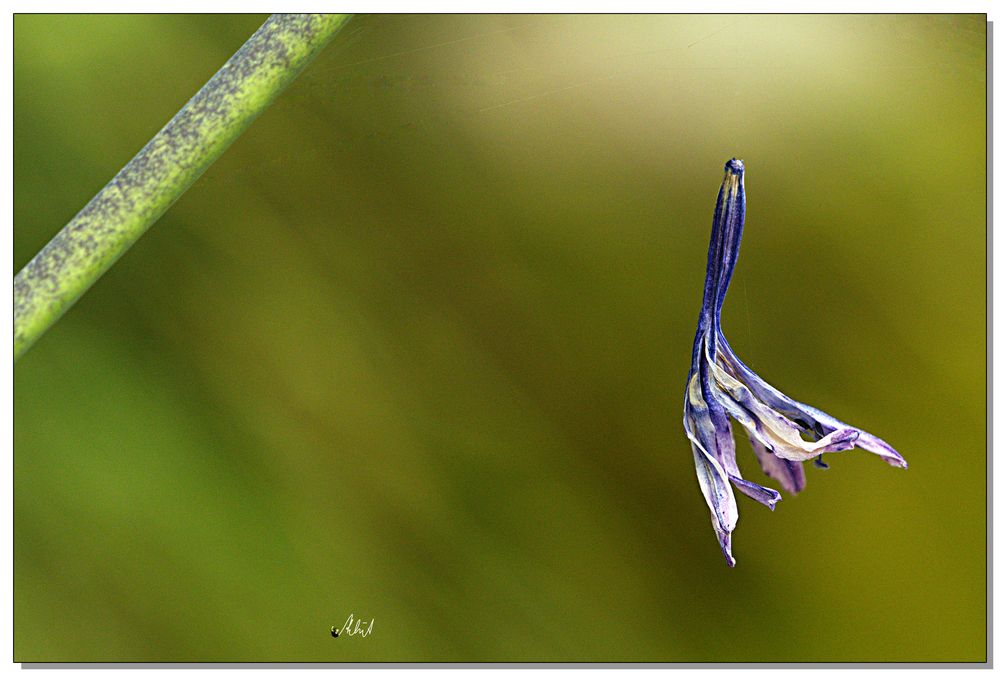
(415, 347)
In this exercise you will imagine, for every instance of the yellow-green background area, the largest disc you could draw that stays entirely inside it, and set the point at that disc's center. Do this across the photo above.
(415, 348)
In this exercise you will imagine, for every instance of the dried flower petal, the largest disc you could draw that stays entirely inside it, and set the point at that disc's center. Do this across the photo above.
(784, 433)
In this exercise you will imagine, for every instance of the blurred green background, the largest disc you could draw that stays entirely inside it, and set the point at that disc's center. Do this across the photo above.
(415, 348)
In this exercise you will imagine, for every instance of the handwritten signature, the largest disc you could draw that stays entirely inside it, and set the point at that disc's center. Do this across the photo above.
(354, 627)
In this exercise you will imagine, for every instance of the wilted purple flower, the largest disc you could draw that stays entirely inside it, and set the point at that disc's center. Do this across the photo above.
(783, 432)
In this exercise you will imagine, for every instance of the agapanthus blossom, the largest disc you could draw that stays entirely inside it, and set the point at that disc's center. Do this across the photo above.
(783, 432)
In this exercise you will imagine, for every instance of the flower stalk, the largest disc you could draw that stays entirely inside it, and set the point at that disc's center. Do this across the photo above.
(167, 166)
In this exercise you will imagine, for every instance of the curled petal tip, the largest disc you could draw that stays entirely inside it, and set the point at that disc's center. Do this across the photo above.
(726, 544)
(895, 459)
(841, 440)
(765, 496)
(775, 499)
(878, 447)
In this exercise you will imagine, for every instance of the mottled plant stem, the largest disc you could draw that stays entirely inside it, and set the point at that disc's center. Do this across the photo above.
(167, 166)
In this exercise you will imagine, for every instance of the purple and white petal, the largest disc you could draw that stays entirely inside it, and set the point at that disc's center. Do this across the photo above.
(790, 474)
(715, 488)
(868, 442)
(712, 478)
(811, 417)
(762, 494)
(772, 428)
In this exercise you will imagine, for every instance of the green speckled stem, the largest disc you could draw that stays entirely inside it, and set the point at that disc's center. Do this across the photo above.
(167, 166)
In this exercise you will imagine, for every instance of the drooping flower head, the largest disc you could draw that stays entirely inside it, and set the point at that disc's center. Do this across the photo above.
(783, 432)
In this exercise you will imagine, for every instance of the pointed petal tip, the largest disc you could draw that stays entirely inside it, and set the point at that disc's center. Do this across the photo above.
(892, 456)
(762, 494)
(895, 459)
(873, 444)
(773, 503)
(726, 544)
